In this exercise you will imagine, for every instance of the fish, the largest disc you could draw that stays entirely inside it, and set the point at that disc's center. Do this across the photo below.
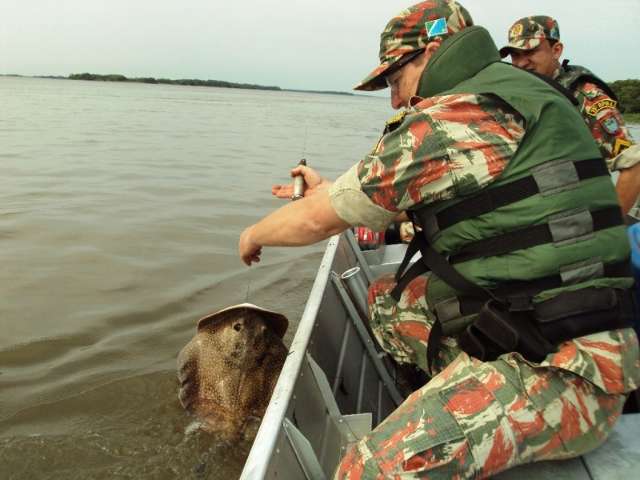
(228, 370)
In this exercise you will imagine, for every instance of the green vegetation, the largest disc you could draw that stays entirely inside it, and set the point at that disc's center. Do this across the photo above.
(631, 117)
(328, 92)
(167, 81)
(191, 81)
(628, 92)
(102, 78)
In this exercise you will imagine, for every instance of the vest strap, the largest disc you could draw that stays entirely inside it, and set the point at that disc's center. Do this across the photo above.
(530, 288)
(493, 198)
(517, 294)
(553, 84)
(437, 263)
(537, 333)
(571, 75)
(412, 249)
(557, 230)
(508, 322)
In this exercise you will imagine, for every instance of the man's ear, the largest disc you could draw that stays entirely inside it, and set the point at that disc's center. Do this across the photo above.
(556, 50)
(433, 46)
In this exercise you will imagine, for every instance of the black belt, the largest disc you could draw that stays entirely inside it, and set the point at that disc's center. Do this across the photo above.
(538, 332)
(506, 324)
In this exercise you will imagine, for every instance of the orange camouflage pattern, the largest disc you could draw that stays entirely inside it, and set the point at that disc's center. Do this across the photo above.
(407, 32)
(528, 33)
(446, 146)
(475, 419)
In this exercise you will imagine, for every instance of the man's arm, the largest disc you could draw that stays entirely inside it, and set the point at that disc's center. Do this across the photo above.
(628, 187)
(405, 169)
(304, 222)
(613, 138)
(607, 126)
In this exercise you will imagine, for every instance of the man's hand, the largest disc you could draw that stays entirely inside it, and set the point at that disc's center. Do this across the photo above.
(407, 232)
(313, 182)
(249, 251)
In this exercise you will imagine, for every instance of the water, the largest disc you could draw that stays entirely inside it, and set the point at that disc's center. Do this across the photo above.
(120, 211)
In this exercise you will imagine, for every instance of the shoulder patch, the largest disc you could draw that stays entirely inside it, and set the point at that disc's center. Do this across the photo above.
(395, 121)
(620, 145)
(611, 125)
(390, 125)
(600, 105)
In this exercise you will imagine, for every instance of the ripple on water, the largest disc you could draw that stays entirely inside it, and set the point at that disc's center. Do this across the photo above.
(120, 213)
(134, 428)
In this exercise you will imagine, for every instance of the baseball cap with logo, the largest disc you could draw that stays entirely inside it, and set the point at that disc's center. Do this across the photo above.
(528, 32)
(408, 33)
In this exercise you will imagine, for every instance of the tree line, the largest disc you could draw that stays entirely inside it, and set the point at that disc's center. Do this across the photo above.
(168, 81)
(628, 92)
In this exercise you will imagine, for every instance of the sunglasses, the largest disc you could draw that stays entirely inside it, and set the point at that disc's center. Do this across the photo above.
(401, 62)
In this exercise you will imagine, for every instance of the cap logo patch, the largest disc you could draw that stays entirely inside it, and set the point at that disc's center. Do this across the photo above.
(436, 27)
(516, 31)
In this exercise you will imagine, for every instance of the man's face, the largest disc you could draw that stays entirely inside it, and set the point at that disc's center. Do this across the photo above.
(544, 59)
(404, 82)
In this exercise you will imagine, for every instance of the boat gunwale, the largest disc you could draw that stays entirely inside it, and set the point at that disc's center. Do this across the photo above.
(265, 441)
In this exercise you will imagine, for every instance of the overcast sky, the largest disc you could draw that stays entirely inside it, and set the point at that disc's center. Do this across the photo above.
(306, 44)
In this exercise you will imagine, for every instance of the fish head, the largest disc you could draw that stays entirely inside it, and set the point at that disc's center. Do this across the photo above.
(240, 335)
(223, 370)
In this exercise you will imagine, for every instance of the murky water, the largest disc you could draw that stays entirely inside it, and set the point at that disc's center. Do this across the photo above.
(120, 210)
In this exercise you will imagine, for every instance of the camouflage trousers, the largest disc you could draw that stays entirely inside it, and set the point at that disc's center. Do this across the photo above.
(473, 419)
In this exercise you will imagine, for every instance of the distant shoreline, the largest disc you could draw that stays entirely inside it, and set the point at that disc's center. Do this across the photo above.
(629, 118)
(168, 81)
(194, 82)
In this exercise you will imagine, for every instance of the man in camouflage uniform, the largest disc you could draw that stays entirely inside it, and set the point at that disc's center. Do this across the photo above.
(534, 44)
(474, 418)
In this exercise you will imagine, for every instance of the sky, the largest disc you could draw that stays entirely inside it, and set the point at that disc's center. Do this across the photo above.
(299, 44)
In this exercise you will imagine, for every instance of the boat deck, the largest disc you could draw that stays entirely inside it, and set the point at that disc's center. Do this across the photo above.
(336, 386)
(618, 458)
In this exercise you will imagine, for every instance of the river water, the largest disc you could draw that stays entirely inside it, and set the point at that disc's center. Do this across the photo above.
(120, 211)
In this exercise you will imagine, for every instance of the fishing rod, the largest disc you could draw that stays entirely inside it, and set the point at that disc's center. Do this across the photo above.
(298, 183)
(298, 180)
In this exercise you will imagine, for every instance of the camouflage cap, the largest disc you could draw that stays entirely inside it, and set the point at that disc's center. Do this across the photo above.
(411, 30)
(528, 32)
